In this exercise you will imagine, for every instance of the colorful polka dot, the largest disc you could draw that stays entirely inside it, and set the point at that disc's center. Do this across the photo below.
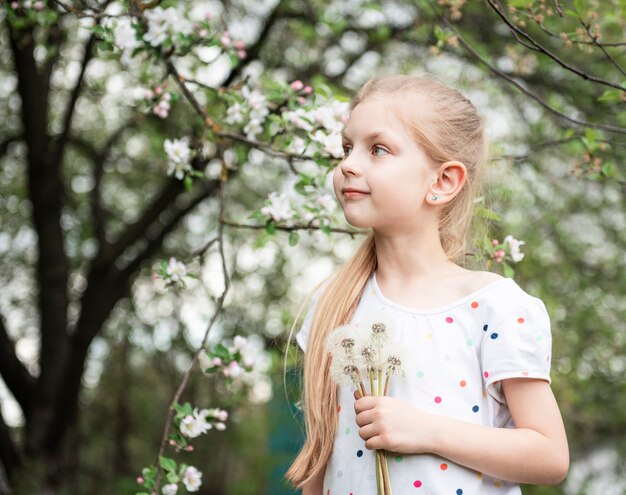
(429, 335)
(459, 492)
(486, 374)
(417, 483)
(539, 337)
(339, 408)
(438, 400)
(339, 474)
(420, 374)
(485, 328)
(474, 304)
(463, 383)
(399, 458)
(470, 342)
(359, 453)
(497, 483)
(449, 319)
(520, 320)
(348, 431)
(443, 467)
(475, 408)
(494, 336)
(484, 393)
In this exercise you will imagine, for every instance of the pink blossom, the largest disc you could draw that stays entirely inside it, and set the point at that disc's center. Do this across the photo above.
(240, 45)
(158, 90)
(307, 90)
(38, 5)
(233, 370)
(297, 85)
(301, 100)
(15, 5)
(242, 54)
(203, 33)
(495, 242)
(140, 480)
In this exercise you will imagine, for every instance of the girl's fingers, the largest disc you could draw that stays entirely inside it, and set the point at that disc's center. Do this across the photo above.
(368, 431)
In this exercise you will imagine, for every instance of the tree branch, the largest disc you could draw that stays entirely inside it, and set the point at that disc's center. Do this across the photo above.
(254, 50)
(504, 76)
(495, 5)
(17, 378)
(9, 453)
(155, 241)
(61, 142)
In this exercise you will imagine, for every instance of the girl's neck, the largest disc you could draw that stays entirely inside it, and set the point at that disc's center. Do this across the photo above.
(413, 257)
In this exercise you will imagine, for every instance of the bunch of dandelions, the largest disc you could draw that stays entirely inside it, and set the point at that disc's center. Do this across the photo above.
(367, 353)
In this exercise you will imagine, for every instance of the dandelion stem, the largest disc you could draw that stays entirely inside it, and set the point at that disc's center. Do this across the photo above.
(380, 487)
(386, 384)
(385, 470)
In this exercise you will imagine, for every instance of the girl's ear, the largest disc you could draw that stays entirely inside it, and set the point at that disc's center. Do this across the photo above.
(449, 182)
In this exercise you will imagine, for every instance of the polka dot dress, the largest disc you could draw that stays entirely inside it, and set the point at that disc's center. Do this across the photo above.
(459, 354)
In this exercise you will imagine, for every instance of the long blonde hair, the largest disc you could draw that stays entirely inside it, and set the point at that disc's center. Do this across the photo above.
(451, 129)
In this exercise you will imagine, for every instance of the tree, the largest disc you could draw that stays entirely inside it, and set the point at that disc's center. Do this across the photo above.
(102, 213)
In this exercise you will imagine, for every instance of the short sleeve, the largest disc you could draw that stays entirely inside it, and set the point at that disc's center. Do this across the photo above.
(302, 336)
(519, 346)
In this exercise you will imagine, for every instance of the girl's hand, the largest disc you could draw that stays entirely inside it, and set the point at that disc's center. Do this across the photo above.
(388, 423)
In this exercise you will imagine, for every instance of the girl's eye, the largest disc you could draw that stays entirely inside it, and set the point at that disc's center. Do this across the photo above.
(378, 148)
(346, 150)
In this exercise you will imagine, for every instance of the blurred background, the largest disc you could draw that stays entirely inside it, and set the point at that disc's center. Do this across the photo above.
(92, 347)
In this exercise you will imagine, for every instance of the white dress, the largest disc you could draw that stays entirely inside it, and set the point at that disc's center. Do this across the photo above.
(458, 354)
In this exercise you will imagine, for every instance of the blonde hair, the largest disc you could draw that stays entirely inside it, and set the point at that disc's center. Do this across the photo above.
(452, 129)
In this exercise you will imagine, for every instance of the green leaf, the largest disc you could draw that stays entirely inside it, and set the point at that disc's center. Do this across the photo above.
(172, 478)
(508, 271)
(483, 212)
(611, 96)
(571, 13)
(167, 463)
(608, 169)
(294, 237)
(188, 182)
(579, 5)
(270, 227)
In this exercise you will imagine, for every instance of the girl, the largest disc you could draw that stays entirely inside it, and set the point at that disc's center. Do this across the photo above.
(475, 413)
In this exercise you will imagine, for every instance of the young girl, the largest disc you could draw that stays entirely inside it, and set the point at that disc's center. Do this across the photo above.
(475, 413)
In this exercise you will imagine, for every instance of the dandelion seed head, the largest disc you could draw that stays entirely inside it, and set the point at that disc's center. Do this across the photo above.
(379, 328)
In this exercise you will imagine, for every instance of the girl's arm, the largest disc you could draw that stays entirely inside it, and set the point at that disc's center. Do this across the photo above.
(316, 485)
(535, 451)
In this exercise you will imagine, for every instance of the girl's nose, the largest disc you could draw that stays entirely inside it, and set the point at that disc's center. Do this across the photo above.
(349, 166)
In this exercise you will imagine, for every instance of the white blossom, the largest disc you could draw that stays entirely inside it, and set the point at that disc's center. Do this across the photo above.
(179, 154)
(124, 35)
(194, 425)
(327, 203)
(278, 208)
(192, 479)
(163, 23)
(169, 489)
(234, 114)
(176, 270)
(515, 244)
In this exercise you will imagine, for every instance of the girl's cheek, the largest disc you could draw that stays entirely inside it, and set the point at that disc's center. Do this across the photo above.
(337, 183)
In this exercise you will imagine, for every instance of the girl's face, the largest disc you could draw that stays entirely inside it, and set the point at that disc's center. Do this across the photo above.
(383, 179)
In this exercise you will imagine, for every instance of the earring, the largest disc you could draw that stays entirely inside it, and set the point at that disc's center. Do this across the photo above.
(435, 197)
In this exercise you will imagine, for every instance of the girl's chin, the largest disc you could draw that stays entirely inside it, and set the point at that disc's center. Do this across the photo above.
(357, 222)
